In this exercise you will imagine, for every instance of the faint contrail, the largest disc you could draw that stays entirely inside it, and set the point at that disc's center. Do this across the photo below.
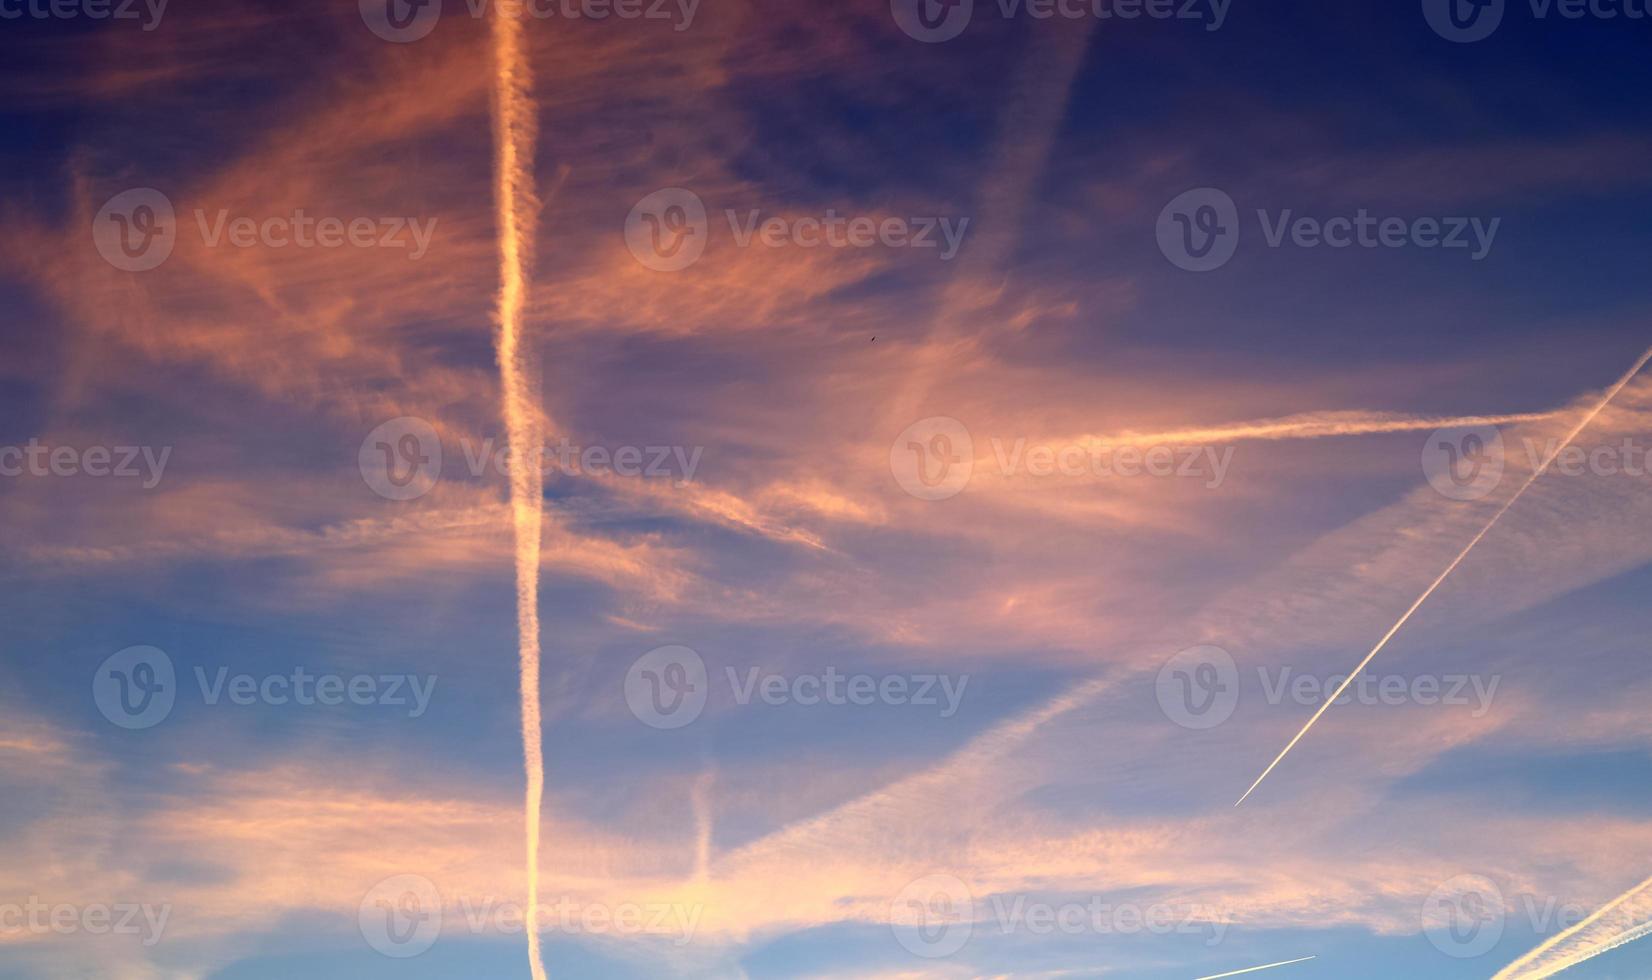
(1312, 425)
(514, 132)
(1624, 919)
(1253, 969)
(701, 799)
(1576, 431)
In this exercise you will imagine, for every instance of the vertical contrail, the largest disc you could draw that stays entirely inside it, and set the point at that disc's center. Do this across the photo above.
(514, 132)
(1576, 431)
(701, 799)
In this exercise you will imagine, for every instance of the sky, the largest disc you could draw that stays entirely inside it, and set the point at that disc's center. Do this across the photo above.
(976, 439)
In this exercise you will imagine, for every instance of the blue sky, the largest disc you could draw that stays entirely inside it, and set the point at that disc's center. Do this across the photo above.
(880, 577)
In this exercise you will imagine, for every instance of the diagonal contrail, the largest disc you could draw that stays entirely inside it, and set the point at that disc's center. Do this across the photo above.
(1253, 969)
(1622, 920)
(514, 132)
(1576, 431)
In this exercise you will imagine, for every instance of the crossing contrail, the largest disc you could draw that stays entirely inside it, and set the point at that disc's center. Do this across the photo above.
(514, 132)
(1576, 431)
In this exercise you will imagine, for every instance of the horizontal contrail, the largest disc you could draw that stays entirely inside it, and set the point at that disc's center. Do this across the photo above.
(1622, 920)
(1253, 969)
(1312, 425)
(1353, 674)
